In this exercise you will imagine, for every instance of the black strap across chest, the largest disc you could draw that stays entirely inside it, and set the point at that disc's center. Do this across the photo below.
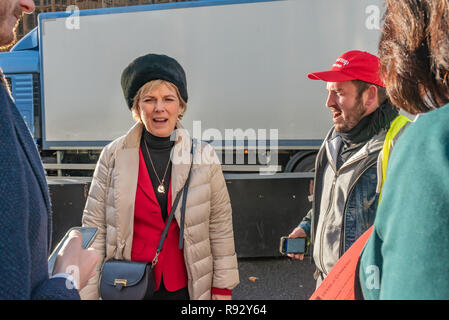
(184, 192)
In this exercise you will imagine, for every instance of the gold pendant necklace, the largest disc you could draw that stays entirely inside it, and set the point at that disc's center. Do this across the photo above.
(160, 188)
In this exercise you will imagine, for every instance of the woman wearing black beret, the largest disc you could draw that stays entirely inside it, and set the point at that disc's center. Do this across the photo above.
(137, 179)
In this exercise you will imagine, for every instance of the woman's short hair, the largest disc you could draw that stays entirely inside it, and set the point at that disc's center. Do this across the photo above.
(152, 85)
(414, 53)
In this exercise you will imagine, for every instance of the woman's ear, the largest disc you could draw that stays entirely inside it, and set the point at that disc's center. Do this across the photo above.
(181, 113)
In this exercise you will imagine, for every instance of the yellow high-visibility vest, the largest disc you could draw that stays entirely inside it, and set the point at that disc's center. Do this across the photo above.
(398, 123)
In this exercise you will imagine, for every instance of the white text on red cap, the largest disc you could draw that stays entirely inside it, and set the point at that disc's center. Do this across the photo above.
(340, 63)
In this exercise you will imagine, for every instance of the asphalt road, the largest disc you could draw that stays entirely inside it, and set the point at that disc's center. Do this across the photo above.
(277, 279)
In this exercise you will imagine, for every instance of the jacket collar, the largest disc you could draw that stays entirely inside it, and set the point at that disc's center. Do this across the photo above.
(181, 159)
(333, 143)
(132, 137)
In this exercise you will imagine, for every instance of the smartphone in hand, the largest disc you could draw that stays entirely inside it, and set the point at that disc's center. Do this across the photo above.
(292, 245)
(88, 235)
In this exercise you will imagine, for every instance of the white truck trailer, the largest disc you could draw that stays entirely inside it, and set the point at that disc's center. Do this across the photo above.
(246, 64)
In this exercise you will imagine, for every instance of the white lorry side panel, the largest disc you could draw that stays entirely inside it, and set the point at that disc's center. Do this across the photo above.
(246, 64)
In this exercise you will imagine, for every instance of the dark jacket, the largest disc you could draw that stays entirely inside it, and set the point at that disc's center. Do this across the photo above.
(25, 224)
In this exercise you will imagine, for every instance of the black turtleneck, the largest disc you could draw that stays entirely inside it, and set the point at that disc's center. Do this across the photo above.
(159, 149)
(368, 127)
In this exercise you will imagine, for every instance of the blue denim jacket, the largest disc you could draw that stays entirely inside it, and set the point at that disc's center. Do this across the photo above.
(361, 207)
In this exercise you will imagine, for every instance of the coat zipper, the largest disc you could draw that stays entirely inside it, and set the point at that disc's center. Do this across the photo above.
(331, 204)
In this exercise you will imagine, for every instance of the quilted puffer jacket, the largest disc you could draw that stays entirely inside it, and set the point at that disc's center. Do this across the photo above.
(209, 251)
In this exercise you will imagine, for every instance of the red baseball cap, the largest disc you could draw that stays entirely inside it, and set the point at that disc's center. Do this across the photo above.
(352, 65)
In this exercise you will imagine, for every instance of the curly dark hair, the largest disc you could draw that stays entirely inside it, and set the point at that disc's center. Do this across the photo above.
(414, 53)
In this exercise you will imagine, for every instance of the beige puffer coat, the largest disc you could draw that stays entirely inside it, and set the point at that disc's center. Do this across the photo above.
(209, 251)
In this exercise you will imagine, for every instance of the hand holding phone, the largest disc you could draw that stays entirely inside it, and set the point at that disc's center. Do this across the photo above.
(297, 233)
(73, 255)
(292, 245)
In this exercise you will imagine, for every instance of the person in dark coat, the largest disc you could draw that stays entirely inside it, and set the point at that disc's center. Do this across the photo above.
(25, 208)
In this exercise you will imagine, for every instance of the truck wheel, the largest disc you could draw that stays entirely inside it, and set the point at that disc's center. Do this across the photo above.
(307, 164)
(301, 162)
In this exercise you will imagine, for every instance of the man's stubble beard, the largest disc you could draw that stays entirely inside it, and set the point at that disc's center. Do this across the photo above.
(356, 115)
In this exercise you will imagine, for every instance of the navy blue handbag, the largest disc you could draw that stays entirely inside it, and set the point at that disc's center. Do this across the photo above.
(126, 280)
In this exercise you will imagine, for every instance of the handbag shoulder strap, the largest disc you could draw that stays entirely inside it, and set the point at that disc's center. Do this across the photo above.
(172, 212)
(184, 199)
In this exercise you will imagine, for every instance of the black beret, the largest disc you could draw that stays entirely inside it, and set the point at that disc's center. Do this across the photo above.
(152, 67)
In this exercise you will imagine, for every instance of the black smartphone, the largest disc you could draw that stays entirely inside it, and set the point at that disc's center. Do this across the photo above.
(88, 235)
(292, 245)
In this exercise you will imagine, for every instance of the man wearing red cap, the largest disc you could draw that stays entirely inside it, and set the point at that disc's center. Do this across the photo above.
(347, 179)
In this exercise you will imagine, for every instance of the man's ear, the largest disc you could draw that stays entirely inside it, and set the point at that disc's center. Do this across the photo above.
(370, 100)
